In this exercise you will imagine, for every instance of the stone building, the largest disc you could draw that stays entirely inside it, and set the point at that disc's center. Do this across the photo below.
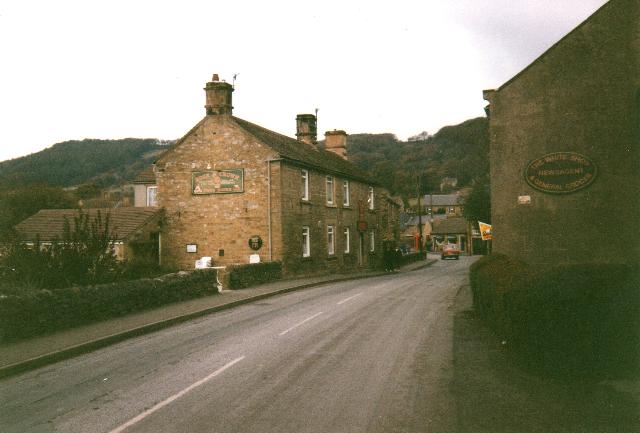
(565, 171)
(450, 205)
(236, 192)
(135, 231)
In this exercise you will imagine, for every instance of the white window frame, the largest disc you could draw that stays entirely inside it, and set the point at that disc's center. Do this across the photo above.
(347, 240)
(331, 240)
(306, 242)
(371, 199)
(372, 241)
(331, 192)
(149, 201)
(305, 184)
(346, 199)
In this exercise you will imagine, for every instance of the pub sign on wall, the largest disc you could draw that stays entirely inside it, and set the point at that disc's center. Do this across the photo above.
(217, 181)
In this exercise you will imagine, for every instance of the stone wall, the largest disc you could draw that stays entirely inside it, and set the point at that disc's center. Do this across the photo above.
(316, 214)
(219, 224)
(580, 96)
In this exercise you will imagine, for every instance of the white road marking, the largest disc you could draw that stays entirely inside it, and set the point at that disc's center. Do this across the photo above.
(174, 397)
(348, 299)
(301, 323)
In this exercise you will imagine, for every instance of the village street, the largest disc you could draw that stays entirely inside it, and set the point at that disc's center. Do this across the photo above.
(401, 352)
(366, 355)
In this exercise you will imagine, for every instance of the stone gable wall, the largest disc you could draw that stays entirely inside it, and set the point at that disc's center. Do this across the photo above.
(581, 96)
(218, 221)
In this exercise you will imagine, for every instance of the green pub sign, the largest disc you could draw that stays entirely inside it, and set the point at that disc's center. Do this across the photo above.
(217, 181)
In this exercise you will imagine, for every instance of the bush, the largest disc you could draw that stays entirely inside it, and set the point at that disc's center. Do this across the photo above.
(573, 320)
(492, 278)
(410, 258)
(84, 255)
(242, 276)
(44, 311)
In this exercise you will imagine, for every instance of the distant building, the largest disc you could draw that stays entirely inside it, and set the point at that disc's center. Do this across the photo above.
(145, 189)
(453, 230)
(443, 204)
(448, 183)
(135, 231)
(411, 231)
(565, 136)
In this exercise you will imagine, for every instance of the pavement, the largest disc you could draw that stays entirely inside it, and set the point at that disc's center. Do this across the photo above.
(39, 351)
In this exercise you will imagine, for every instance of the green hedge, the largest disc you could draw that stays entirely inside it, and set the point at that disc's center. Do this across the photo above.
(44, 311)
(242, 276)
(578, 320)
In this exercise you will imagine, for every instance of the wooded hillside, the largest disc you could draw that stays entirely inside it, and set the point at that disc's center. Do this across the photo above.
(103, 162)
(460, 151)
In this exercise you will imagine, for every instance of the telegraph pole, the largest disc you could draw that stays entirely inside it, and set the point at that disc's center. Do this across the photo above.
(420, 216)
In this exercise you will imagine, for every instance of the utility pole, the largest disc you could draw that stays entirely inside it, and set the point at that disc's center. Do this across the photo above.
(420, 216)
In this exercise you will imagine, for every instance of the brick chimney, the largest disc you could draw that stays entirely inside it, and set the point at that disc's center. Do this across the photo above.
(306, 129)
(336, 142)
(218, 97)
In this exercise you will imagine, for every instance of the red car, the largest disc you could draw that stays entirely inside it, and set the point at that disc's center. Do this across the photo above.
(450, 251)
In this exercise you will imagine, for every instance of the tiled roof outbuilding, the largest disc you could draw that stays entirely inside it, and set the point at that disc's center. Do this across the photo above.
(48, 224)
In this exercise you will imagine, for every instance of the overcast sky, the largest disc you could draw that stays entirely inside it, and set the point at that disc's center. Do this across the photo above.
(136, 68)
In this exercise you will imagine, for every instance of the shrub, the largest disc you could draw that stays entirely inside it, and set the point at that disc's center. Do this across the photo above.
(568, 320)
(409, 258)
(242, 276)
(492, 278)
(580, 319)
(44, 311)
(84, 255)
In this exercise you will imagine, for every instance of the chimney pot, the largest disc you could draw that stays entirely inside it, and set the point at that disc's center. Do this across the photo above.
(336, 142)
(218, 97)
(306, 129)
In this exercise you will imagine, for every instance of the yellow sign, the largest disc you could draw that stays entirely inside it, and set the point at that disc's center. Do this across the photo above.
(485, 231)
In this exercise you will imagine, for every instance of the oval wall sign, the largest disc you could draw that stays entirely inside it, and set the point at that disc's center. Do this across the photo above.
(255, 242)
(560, 172)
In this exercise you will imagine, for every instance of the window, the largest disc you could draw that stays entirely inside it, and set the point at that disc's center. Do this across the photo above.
(372, 241)
(331, 241)
(152, 196)
(370, 200)
(305, 184)
(306, 242)
(345, 193)
(330, 191)
(347, 241)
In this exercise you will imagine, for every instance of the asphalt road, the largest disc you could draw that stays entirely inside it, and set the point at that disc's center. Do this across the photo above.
(361, 356)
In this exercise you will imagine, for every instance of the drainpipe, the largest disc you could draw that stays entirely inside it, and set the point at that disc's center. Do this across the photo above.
(269, 208)
(269, 230)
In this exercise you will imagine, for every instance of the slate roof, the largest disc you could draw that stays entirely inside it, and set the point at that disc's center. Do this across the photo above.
(293, 150)
(49, 223)
(146, 176)
(442, 200)
(449, 226)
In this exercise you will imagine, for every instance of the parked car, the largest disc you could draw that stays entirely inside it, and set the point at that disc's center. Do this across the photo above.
(450, 251)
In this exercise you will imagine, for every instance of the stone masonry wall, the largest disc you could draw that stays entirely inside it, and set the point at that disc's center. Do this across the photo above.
(317, 215)
(226, 221)
(217, 223)
(581, 96)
